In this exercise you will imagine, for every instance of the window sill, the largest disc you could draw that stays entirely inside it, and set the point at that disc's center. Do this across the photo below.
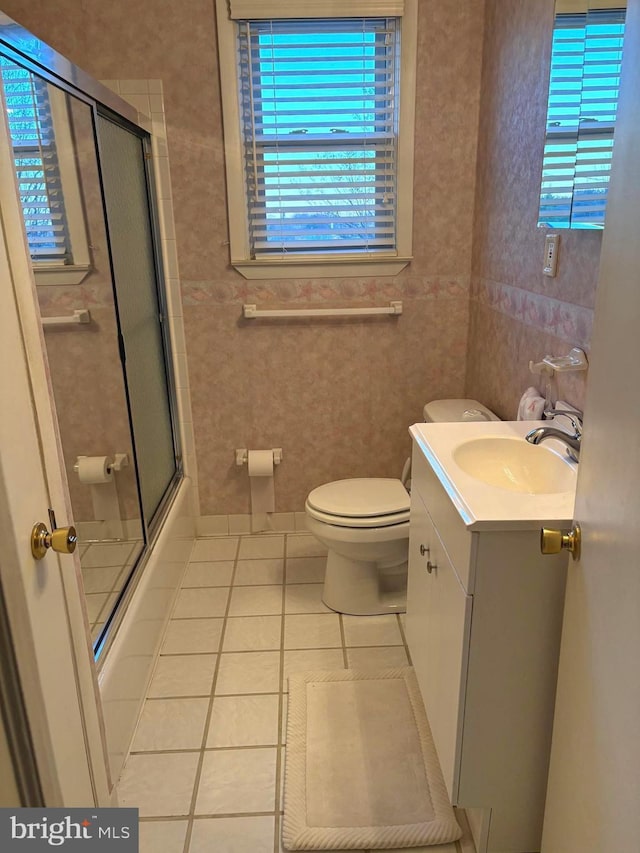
(320, 267)
(60, 274)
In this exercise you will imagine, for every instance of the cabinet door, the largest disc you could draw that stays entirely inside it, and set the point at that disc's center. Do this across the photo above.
(448, 634)
(438, 628)
(421, 534)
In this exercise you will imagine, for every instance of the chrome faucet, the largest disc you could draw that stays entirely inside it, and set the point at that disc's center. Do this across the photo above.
(540, 434)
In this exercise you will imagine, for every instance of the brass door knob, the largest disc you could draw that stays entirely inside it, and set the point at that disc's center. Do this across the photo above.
(554, 541)
(63, 540)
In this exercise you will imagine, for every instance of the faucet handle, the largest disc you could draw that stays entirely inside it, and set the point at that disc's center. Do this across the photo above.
(574, 416)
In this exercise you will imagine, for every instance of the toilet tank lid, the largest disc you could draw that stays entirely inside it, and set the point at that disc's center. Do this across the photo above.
(450, 411)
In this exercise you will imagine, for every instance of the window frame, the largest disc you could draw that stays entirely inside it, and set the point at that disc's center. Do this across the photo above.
(51, 272)
(47, 272)
(583, 131)
(317, 264)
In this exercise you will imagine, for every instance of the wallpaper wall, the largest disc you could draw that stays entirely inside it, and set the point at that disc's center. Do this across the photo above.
(336, 396)
(518, 314)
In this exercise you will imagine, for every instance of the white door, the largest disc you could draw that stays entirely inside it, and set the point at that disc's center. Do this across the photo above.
(46, 618)
(593, 800)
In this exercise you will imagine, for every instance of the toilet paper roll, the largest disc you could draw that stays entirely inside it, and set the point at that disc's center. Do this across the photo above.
(94, 469)
(260, 465)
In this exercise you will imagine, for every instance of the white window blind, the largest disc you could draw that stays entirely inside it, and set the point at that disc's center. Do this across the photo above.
(319, 114)
(583, 97)
(36, 163)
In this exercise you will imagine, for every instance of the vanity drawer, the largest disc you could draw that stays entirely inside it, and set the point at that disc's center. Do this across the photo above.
(457, 540)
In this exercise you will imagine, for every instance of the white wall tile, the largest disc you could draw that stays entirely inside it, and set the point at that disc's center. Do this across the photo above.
(212, 525)
(139, 101)
(239, 524)
(134, 86)
(156, 103)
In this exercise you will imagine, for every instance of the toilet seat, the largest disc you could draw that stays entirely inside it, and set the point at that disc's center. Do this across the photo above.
(360, 502)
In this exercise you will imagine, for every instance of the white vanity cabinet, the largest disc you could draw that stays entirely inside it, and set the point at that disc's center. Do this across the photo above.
(484, 616)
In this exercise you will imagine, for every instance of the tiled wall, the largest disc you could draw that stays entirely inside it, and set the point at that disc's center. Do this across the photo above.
(517, 314)
(336, 396)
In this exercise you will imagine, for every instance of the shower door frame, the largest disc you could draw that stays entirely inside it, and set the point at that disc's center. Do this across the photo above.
(151, 528)
(55, 684)
(62, 73)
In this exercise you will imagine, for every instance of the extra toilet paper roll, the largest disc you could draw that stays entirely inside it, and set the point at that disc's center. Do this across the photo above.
(94, 469)
(260, 464)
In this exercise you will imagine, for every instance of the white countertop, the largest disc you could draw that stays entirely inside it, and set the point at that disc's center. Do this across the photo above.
(482, 506)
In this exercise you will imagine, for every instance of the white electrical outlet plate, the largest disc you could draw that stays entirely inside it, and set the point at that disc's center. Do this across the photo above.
(551, 243)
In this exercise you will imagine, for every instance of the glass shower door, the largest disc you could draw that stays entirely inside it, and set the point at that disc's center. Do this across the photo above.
(140, 312)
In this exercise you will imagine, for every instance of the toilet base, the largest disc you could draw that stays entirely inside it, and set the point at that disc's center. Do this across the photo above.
(363, 588)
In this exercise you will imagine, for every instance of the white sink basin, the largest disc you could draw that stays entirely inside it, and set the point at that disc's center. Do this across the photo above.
(512, 463)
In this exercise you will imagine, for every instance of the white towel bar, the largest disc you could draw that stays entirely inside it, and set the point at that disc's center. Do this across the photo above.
(80, 315)
(252, 312)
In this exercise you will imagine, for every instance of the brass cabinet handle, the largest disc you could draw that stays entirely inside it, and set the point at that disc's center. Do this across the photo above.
(553, 541)
(431, 566)
(424, 549)
(63, 540)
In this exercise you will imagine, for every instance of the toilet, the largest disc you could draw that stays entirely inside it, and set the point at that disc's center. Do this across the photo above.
(364, 524)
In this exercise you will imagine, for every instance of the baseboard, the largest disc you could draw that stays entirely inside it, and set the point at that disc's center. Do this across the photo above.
(234, 524)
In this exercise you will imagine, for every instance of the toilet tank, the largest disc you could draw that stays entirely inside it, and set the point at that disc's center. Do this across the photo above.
(449, 411)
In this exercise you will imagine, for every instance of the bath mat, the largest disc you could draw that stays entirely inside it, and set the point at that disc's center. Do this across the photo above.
(361, 769)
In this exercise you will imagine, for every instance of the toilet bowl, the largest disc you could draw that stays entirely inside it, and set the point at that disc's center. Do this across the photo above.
(364, 524)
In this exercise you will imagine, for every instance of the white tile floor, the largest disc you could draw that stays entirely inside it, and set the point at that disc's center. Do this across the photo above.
(207, 760)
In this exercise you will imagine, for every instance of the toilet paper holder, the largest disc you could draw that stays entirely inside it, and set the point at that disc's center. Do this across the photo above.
(242, 456)
(120, 461)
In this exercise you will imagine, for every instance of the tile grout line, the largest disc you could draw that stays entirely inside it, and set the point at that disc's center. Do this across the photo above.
(207, 722)
(191, 817)
(343, 640)
(198, 749)
(404, 639)
(279, 762)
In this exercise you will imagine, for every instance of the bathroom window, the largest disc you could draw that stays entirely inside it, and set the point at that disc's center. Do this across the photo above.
(581, 116)
(318, 159)
(48, 186)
